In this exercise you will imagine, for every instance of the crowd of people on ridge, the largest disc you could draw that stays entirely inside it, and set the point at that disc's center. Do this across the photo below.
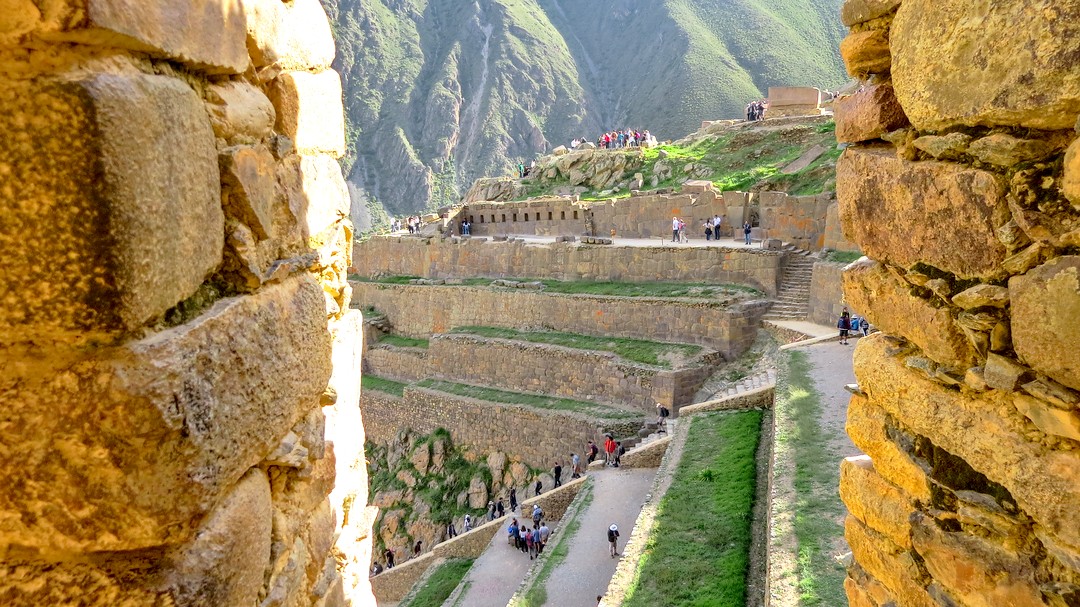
(755, 110)
(625, 138)
(412, 222)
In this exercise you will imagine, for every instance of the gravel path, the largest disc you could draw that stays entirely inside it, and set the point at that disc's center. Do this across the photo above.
(495, 576)
(618, 495)
(831, 369)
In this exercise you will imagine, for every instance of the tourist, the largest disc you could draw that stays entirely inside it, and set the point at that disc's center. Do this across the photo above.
(416, 548)
(674, 229)
(575, 463)
(593, 452)
(523, 534)
(662, 414)
(716, 223)
(512, 533)
(376, 569)
(613, 539)
(746, 232)
(468, 524)
(545, 533)
(844, 324)
(619, 452)
(537, 514)
(864, 326)
(708, 229)
(491, 510)
(539, 486)
(513, 499)
(682, 232)
(557, 471)
(389, 556)
(530, 543)
(466, 228)
(609, 450)
(536, 540)
(500, 508)
(451, 531)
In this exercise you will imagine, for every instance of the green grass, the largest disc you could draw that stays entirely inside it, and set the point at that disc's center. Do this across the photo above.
(389, 386)
(440, 584)
(403, 342)
(529, 400)
(536, 595)
(842, 256)
(635, 350)
(621, 289)
(817, 507)
(699, 551)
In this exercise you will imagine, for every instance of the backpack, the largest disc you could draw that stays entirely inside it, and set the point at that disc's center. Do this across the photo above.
(664, 412)
(611, 535)
(594, 449)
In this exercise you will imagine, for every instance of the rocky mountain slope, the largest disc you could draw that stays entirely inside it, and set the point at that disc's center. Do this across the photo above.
(440, 92)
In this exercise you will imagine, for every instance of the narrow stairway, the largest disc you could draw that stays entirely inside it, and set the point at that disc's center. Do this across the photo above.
(793, 298)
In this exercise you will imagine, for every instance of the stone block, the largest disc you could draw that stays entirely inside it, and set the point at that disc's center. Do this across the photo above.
(982, 295)
(944, 147)
(142, 440)
(310, 111)
(1051, 420)
(208, 36)
(866, 53)
(224, 565)
(888, 563)
(889, 304)
(977, 572)
(982, 429)
(251, 187)
(1005, 150)
(868, 114)
(1045, 306)
(952, 65)
(1070, 185)
(879, 504)
(904, 213)
(317, 193)
(116, 216)
(854, 12)
(1002, 373)
(239, 112)
(868, 427)
(264, 25)
(306, 42)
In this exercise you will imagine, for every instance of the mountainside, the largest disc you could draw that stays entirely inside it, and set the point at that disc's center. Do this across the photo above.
(440, 92)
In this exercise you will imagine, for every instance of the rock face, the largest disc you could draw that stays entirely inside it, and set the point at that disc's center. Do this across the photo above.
(178, 363)
(969, 400)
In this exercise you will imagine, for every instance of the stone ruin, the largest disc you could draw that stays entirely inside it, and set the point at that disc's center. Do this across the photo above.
(963, 186)
(179, 376)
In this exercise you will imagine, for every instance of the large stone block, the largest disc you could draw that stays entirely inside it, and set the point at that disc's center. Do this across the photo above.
(317, 193)
(985, 431)
(854, 12)
(877, 503)
(310, 111)
(872, 431)
(890, 564)
(987, 63)
(135, 444)
(868, 114)
(251, 192)
(866, 52)
(904, 213)
(207, 35)
(1071, 178)
(977, 572)
(1045, 309)
(889, 304)
(224, 565)
(294, 36)
(112, 203)
(240, 112)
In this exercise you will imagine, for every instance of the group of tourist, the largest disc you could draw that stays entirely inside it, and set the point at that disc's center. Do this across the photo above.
(413, 223)
(848, 324)
(625, 138)
(711, 225)
(755, 110)
(529, 541)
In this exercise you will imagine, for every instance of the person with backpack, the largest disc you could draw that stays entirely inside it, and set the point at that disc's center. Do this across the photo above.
(513, 499)
(864, 326)
(537, 514)
(619, 452)
(468, 524)
(593, 452)
(613, 539)
(609, 450)
(557, 471)
(575, 464)
(844, 324)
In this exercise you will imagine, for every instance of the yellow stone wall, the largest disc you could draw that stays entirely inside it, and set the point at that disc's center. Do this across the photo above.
(961, 186)
(179, 372)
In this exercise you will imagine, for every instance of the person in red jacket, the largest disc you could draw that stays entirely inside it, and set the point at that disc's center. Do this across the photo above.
(609, 449)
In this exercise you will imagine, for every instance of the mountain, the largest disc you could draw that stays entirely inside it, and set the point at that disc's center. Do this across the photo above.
(441, 92)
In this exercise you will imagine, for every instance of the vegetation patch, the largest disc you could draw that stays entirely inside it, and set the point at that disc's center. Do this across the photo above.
(657, 354)
(613, 289)
(699, 550)
(379, 384)
(403, 342)
(529, 400)
(817, 507)
(842, 256)
(440, 584)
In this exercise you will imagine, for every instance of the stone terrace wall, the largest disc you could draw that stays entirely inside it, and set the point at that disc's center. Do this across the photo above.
(826, 293)
(176, 383)
(482, 426)
(445, 258)
(969, 407)
(540, 368)
(419, 311)
(799, 220)
(834, 233)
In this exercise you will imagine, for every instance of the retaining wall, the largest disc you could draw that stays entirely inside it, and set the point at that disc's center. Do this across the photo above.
(467, 258)
(419, 311)
(826, 293)
(799, 220)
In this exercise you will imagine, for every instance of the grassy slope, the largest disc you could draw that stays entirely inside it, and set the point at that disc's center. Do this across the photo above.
(584, 287)
(635, 350)
(699, 552)
(440, 584)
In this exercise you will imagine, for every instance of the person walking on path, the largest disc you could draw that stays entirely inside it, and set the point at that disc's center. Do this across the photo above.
(539, 486)
(746, 232)
(609, 450)
(674, 229)
(545, 533)
(575, 462)
(613, 539)
(844, 324)
(557, 471)
(389, 556)
(468, 524)
(451, 531)
(537, 514)
(619, 452)
(491, 510)
(513, 499)
(500, 508)
(593, 451)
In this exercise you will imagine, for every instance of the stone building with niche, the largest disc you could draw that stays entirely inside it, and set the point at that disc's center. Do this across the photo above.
(179, 372)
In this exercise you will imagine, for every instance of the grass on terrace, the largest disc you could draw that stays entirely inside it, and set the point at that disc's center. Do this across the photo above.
(622, 289)
(440, 584)
(658, 354)
(379, 384)
(842, 256)
(699, 550)
(403, 342)
(536, 595)
(821, 580)
(530, 400)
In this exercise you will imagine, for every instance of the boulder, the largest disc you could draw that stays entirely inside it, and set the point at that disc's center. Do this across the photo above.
(868, 114)
(239, 112)
(950, 66)
(560, 151)
(310, 111)
(941, 214)
(478, 493)
(879, 504)
(1045, 309)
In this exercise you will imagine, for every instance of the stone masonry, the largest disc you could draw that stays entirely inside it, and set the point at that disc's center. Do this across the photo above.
(968, 403)
(179, 372)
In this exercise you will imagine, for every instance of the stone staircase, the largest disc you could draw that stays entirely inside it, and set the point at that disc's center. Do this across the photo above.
(753, 382)
(793, 298)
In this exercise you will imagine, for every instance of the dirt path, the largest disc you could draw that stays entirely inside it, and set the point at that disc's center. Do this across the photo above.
(495, 576)
(618, 495)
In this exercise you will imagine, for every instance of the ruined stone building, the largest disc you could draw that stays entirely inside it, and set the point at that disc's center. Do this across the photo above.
(178, 379)
(963, 186)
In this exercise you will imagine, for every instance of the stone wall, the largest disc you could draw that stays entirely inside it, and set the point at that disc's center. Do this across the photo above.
(483, 427)
(799, 220)
(827, 293)
(962, 186)
(420, 310)
(521, 366)
(834, 233)
(177, 326)
(446, 258)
